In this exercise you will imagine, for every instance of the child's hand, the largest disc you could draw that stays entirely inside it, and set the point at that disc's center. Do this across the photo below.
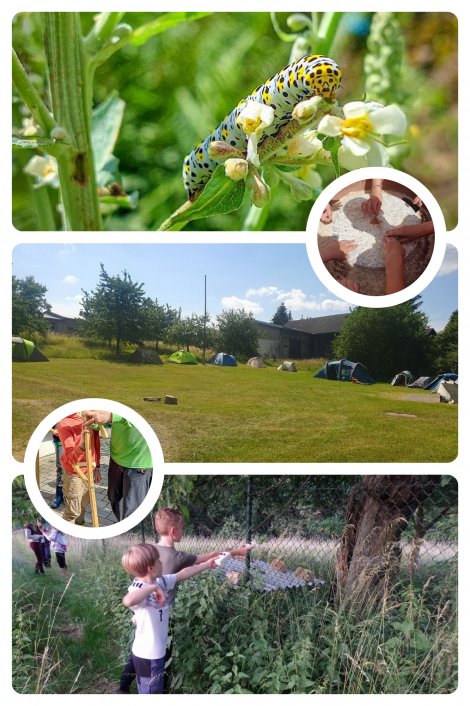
(327, 215)
(212, 563)
(160, 597)
(337, 250)
(134, 620)
(394, 252)
(349, 284)
(372, 206)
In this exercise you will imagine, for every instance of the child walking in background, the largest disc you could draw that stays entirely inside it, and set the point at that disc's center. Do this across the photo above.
(59, 543)
(35, 540)
(147, 597)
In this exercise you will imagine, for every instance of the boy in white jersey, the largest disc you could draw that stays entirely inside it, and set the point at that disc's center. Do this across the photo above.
(147, 598)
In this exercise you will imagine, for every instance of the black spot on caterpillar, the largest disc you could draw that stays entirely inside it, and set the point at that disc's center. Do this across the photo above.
(314, 75)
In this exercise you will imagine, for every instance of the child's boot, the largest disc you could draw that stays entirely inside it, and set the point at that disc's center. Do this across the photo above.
(59, 498)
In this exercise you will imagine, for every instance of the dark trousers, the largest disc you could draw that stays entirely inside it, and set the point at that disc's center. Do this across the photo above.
(128, 674)
(37, 549)
(60, 556)
(130, 485)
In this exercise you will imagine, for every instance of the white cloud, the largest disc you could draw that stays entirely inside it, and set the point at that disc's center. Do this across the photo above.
(450, 262)
(70, 307)
(70, 279)
(262, 292)
(298, 302)
(238, 303)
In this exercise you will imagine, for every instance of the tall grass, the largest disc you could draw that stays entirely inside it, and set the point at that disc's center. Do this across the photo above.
(73, 637)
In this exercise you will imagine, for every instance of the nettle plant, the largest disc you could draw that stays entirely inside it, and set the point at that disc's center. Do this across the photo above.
(279, 134)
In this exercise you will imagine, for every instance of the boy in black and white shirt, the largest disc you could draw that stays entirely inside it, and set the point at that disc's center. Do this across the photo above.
(147, 598)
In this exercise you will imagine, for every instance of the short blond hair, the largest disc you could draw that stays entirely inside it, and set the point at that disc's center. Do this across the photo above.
(167, 517)
(137, 559)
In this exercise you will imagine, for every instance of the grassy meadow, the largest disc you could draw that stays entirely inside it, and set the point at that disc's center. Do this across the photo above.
(243, 414)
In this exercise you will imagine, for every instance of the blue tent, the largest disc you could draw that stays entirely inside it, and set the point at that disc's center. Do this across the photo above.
(445, 377)
(345, 371)
(223, 359)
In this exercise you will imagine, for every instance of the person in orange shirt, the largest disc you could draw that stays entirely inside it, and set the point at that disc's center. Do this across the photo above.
(72, 436)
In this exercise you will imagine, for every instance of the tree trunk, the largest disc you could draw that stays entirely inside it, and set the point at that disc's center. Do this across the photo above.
(369, 555)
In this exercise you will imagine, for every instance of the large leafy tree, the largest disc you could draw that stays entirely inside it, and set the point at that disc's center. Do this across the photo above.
(29, 304)
(189, 331)
(237, 333)
(157, 319)
(447, 346)
(114, 310)
(281, 315)
(387, 340)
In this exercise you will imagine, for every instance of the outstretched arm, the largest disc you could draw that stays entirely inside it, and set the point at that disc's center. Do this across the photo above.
(195, 569)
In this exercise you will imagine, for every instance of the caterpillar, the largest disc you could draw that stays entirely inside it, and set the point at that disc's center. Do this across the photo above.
(315, 75)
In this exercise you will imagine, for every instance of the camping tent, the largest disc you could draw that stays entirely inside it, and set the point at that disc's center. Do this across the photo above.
(183, 357)
(346, 371)
(448, 392)
(223, 359)
(402, 379)
(288, 366)
(445, 377)
(26, 351)
(256, 363)
(146, 356)
(421, 382)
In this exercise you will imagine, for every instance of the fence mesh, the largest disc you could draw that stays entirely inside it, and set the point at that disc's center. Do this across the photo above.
(333, 531)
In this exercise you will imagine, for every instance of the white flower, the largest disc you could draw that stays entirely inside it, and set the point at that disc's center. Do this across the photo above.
(304, 146)
(236, 169)
(44, 169)
(360, 128)
(305, 110)
(253, 119)
(310, 176)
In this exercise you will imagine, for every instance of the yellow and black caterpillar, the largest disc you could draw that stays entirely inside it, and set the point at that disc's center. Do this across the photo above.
(310, 76)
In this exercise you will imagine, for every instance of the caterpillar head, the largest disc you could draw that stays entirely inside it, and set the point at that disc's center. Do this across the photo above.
(324, 76)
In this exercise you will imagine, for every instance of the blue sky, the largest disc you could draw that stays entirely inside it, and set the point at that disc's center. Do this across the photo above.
(254, 277)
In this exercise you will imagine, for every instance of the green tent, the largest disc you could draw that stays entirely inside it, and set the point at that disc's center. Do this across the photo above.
(345, 371)
(183, 357)
(26, 351)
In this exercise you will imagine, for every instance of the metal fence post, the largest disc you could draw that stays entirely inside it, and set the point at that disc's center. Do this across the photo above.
(249, 522)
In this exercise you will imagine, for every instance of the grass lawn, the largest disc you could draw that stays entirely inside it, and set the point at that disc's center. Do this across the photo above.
(245, 414)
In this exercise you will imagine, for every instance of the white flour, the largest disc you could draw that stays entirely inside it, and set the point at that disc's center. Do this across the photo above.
(350, 223)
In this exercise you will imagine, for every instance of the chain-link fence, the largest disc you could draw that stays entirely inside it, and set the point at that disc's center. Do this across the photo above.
(346, 533)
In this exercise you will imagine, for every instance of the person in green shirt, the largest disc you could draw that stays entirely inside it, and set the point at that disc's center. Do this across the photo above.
(130, 464)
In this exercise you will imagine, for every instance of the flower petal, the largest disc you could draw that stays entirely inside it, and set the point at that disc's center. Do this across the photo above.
(390, 120)
(350, 161)
(355, 109)
(356, 146)
(377, 156)
(330, 125)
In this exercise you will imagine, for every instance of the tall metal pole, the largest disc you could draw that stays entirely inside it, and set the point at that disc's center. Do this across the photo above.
(205, 315)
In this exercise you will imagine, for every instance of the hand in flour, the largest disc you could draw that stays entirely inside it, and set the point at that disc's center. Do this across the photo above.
(394, 254)
(337, 250)
(374, 204)
(327, 215)
(349, 284)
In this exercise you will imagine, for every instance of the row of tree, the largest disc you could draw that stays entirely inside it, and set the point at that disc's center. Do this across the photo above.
(118, 311)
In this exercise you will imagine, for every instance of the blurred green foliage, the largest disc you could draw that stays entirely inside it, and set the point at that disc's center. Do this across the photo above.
(180, 84)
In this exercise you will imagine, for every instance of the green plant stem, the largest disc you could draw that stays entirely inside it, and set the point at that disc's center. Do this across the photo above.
(31, 97)
(102, 30)
(43, 208)
(71, 98)
(256, 217)
(326, 33)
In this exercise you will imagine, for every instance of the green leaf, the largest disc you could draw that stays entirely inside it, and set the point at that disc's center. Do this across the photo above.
(106, 123)
(220, 195)
(31, 143)
(162, 23)
(128, 201)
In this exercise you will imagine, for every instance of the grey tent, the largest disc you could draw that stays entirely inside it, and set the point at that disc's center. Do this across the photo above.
(256, 362)
(145, 356)
(26, 351)
(420, 382)
(289, 366)
(345, 371)
(402, 379)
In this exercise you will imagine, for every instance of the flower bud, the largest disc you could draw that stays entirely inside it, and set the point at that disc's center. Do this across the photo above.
(122, 30)
(236, 169)
(58, 133)
(305, 110)
(219, 151)
(259, 190)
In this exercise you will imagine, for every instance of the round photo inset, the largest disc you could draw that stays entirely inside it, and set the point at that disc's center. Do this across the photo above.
(375, 238)
(94, 468)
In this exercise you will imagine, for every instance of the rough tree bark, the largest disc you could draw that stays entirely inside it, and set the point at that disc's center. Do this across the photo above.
(369, 553)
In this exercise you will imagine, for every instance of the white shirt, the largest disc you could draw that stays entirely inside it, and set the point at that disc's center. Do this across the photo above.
(151, 620)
